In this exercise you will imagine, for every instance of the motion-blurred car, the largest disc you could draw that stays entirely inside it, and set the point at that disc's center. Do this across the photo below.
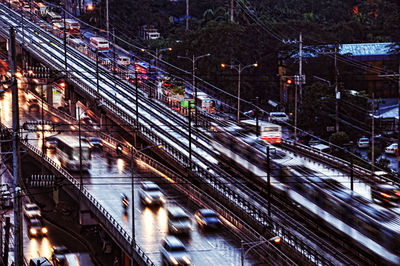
(95, 143)
(50, 142)
(391, 149)
(178, 221)
(386, 193)
(173, 252)
(363, 143)
(207, 219)
(36, 228)
(31, 210)
(58, 255)
(150, 194)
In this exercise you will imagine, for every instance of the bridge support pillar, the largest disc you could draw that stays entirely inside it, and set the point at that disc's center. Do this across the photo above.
(49, 94)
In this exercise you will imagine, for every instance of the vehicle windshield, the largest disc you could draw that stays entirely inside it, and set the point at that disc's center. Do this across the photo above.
(35, 223)
(180, 218)
(151, 189)
(210, 215)
(177, 248)
(33, 208)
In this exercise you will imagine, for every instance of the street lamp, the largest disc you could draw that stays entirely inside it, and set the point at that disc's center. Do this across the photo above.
(193, 60)
(158, 51)
(254, 244)
(239, 69)
(133, 154)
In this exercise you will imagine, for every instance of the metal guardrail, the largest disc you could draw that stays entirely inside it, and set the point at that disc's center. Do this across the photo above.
(338, 162)
(113, 226)
(256, 213)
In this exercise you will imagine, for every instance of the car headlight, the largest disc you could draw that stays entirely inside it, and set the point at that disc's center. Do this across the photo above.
(149, 199)
(44, 230)
(33, 231)
(186, 259)
(173, 260)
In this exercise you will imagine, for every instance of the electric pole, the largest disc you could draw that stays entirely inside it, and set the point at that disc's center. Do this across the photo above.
(231, 10)
(18, 249)
(187, 15)
(336, 93)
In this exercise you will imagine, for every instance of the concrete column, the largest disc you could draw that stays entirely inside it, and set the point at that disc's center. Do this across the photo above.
(49, 94)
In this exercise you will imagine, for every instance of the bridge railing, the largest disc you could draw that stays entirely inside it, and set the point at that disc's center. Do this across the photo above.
(337, 162)
(109, 222)
(256, 213)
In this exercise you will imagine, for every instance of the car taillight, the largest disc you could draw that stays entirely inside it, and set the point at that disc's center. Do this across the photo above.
(385, 195)
(397, 193)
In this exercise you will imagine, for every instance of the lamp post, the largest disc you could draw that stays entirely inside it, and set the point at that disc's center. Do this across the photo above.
(158, 51)
(133, 154)
(65, 40)
(193, 60)
(254, 244)
(239, 69)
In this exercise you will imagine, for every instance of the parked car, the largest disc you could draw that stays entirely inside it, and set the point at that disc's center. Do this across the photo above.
(36, 228)
(391, 149)
(173, 252)
(40, 261)
(278, 117)
(58, 255)
(178, 221)
(363, 143)
(385, 193)
(150, 194)
(95, 143)
(207, 219)
(32, 210)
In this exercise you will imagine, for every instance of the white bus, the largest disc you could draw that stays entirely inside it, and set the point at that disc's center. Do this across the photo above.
(68, 153)
(269, 132)
(99, 43)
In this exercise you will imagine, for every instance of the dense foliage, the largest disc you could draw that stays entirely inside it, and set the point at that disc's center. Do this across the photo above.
(261, 31)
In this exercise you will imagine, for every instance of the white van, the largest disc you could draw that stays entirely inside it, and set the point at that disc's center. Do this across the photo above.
(278, 117)
(321, 148)
(99, 43)
(123, 61)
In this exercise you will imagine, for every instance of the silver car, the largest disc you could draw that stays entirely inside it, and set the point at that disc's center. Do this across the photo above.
(173, 252)
(150, 194)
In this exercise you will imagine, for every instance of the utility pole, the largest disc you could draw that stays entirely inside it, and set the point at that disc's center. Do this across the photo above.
(114, 65)
(301, 67)
(269, 182)
(231, 10)
(373, 135)
(398, 121)
(97, 70)
(190, 134)
(336, 93)
(18, 244)
(256, 113)
(187, 15)
(107, 22)
(65, 43)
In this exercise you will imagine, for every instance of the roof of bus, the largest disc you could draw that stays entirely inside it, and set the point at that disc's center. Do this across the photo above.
(260, 123)
(73, 141)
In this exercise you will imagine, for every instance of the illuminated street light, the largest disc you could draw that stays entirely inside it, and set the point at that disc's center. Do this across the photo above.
(275, 239)
(239, 69)
(194, 89)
